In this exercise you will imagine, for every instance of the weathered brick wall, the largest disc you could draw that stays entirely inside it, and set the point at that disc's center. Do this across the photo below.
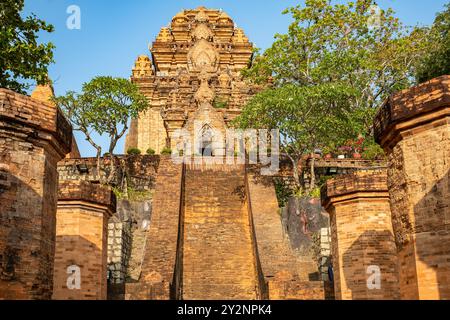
(296, 289)
(414, 129)
(141, 170)
(81, 239)
(119, 247)
(135, 215)
(218, 257)
(325, 258)
(302, 218)
(45, 93)
(159, 259)
(288, 275)
(362, 236)
(34, 136)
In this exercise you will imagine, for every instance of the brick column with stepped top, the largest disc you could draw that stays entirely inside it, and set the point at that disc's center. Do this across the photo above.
(413, 127)
(34, 136)
(363, 249)
(81, 240)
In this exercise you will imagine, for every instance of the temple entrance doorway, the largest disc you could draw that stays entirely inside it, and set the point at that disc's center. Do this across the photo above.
(206, 142)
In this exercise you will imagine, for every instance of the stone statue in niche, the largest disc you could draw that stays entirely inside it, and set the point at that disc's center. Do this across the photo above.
(183, 78)
(224, 80)
(204, 93)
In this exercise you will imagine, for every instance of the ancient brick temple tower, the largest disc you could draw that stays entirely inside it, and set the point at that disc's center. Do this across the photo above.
(215, 230)
(193, 74)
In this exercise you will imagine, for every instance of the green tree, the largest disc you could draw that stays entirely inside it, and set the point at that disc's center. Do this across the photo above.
(22, 58)
(337, 47)
(436, 60)
(105, 107)
(306, 118)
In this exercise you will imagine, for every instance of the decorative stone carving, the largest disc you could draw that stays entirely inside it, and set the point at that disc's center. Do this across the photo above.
(239, 36)
(204, 92)
(164, 35)
(183, 78)
(224, 18)
(202, 31)
(142, 67)
(179, 18)
(203, 56)
(224, 80)
(201, 16)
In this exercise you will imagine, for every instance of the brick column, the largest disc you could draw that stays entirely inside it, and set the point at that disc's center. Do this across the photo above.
(362, 238)
(34, 136)
(413, 127)
(81, 240)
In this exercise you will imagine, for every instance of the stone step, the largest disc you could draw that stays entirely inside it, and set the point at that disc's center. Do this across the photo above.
(218, 260)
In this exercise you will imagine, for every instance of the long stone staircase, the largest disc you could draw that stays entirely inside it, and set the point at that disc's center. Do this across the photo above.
(218, 257)
(216, 233)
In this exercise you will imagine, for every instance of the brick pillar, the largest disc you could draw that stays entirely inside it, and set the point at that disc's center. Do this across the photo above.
(81, 240)
(34, 136)
(362, 238)
(413, 127)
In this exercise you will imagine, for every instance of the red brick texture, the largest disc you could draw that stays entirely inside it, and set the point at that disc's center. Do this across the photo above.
(218, 256)
(158, 266)
(206, 243)
(34, 136)
(414, 129)
(362, 236)
(287, 276)
(81, 239)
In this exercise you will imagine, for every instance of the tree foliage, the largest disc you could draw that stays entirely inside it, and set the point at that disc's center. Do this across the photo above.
(22, 58)
(306, 117)
(436, 61)
(104, 107)
(338, 62)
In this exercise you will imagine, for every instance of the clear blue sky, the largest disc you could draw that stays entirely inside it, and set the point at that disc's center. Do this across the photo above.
(114, 32)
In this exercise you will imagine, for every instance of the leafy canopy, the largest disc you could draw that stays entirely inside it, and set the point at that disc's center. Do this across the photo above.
(105, 106)
(22, 58)
(349, 44)
(436, 61)
(305, 116)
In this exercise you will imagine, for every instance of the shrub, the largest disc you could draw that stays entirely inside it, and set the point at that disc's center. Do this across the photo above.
(283, 192)
(373, 152)
(166, 151)
(315, 193)
(150, 151)
(220, 103)
(133, 151)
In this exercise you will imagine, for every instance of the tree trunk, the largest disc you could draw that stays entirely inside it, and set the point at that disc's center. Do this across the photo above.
(112, 164)
(295, 172)
(99, 168)
(312, 183)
